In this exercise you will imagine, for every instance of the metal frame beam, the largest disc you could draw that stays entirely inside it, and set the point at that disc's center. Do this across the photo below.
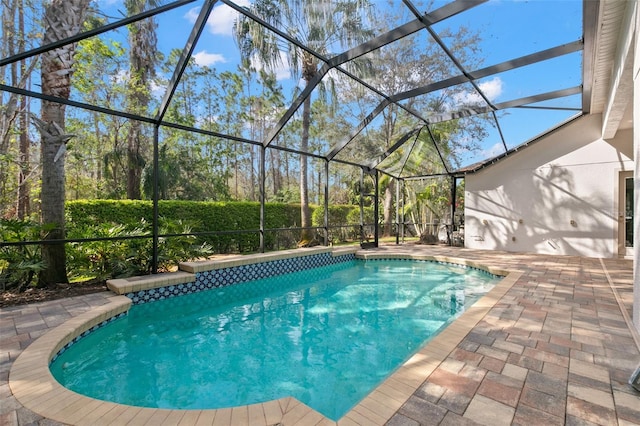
(543, 55)
(360, 50)
(404, 30)
(373, 163)
(495, 119)
(445, 49)
(76, 104)
(185, 56)
(422, 21)
(405, 158)
(479, 166)
(471, 111)
(91, 33)
(553, 52)
(444, 163)
(306, 92)
(246, 12)
(364, 123)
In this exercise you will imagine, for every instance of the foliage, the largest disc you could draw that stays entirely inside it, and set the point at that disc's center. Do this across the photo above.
(428, 204)
(184, 177)
(19, 265)
(337, 217)
(203, 217)
(62, 19)
(322, 25)
(233, 113)
(368, 222)
(83, 214)
(128, 257)
(344, 221)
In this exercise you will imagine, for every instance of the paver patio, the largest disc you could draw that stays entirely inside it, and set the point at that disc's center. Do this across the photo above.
(555, 349)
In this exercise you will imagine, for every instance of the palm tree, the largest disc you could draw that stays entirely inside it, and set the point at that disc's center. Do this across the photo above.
(62, 19)
(143, 59)
(318, 24)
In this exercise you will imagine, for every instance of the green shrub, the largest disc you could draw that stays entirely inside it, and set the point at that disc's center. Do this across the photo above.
(83, 215)
(19, 265)
(354, 218)
(109, 219)
(128, 257)
(337, 217)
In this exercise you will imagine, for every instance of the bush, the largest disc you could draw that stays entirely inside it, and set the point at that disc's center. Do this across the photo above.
(19, 265)
(128, 257)
(354, 218)
(339, 216)
(86, 219)
(83, 215)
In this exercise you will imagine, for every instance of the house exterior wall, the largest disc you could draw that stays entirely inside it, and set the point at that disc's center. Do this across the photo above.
(636, 150)
(557, 196)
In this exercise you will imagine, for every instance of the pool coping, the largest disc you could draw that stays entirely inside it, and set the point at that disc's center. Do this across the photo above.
(187, 270)
(34, 386)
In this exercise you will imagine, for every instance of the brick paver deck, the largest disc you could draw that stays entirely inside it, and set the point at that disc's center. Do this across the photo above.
(556, 349)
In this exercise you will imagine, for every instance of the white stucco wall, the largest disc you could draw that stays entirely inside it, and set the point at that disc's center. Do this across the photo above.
(636, 144)
(556, 196)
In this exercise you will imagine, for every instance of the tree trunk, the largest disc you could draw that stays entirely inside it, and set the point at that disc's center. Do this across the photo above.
(277, 172)
(24, 189)
(10, 109)
(253, 184)
(62, 19)
(388, 207)
(134, 162)
(142, 58)
(305, 213)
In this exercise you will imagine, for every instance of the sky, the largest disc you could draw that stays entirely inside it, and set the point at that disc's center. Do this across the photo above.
(508, 28)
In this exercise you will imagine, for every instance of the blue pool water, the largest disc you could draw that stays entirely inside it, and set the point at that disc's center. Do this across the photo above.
(326, 336)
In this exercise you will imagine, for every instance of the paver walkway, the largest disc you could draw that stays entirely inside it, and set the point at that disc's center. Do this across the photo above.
(555, 349)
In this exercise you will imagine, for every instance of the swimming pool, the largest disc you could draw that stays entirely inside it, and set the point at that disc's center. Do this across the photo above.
(224, 341)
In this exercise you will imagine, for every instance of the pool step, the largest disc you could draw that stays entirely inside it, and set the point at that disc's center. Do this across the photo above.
(146, 282)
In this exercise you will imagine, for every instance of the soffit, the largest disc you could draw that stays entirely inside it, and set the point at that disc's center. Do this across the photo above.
(607, 35)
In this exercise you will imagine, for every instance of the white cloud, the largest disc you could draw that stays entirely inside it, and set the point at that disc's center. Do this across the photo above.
(205, 59)
(491, 89)
(492, 151)
(282, 70)
(157, 90)
(192, 15)
(221, 20)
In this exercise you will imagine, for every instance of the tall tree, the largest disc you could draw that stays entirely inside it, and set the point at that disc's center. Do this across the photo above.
(231, 120)
(417, 64)
(23, 202)
(321, 25)
(101, 157)
(62, 19)
(143, 60)
(15, 147)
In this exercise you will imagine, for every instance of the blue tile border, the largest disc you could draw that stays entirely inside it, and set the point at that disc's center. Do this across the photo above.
(223, 277)
(440, 262)
(85, 334)
(218, 278)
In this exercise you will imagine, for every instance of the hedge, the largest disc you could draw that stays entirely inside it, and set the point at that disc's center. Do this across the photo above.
(198, 216)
